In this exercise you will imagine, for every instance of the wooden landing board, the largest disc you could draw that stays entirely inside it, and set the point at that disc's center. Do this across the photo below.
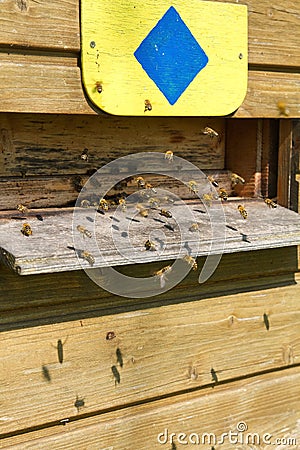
(49, 249)
(267, 404)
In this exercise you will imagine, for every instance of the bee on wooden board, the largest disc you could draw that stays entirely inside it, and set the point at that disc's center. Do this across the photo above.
(26, 229)
(242, 211)
(149, 245)
(23, 209)
(103, 204)
(165, 213)
(194, 227)
(191, 262)
(270, 203)
(140, 182)
(150, 188)
(98, 87)
(142, 211)
(84, 155)
(169, 155)
(193, 186)
(122, 203)
(85, 203)
(161, 274)
(148, 106)
(110, 335)
(84, 231)
(207, 199)
(283, 110)
(210, 132)
(213, 181)
(223, 194)
(154, 202)
(236, 179)
(87, 256)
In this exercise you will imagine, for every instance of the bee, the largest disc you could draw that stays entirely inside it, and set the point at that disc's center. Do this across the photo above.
(161, 274)
(154, 202)
(87, 256)
(242, 211)
(213, 181)
(210, 132)
(168, 199)
(191, 262)
(193, 186)
(150, 187)
(103, 204)
(270, 203)
(148, 106)
(236, 179)
(122, 203)
(169, 155)
(98, 87)
(140, 182)
(165, 213)
(223, 194)
(207, 199)
(149, 245)
(84, 155)
(142, 211)
(110, 335)
(23, 209)
(26, 229)
(85, 203)
(283, 110)
(84, 231)
(194, 227)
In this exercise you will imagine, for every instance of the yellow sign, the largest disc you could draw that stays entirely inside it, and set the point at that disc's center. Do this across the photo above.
(162, 58)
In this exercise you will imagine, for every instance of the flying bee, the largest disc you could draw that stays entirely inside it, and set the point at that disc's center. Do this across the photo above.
(270, 203)
(26, 229)
(161, 274)
(84, 231)
(191, 262)
(168, 199)
(98, 87)
(210, 132)
(236, 179)
(169, 155)
(103, 204)
(142, 211)
(213, 181)
(87, 256)
(149, 245)
(122, 203)
(165, 213)
(85, 203)
(148, 106)
(23, 209)
(242, 211)
(154, 202)
(223, 194)
(84, 155)
(283, 110)
(140, 182)
(194, 227)
(207, 199)
(193, 186)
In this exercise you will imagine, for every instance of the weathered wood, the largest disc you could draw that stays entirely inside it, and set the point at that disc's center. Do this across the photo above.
(26, 302)
(267, 405)
(50, 248)
(57, 88)
(53, 25)
(284, 163)
(53, 144)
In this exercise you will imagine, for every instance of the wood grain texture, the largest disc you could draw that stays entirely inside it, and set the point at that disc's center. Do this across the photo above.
(56, 245)
(267, 404)
(57, 88)
(55, 25)
(156, 351)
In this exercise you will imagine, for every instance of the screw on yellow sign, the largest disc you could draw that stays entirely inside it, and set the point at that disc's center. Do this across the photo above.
(159, 58)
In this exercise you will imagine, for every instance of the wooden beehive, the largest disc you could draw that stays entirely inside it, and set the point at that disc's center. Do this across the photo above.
(84, 368)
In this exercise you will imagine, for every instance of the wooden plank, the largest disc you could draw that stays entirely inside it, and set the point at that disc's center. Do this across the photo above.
(156, 351)
(50, 248)
(284, 163)
(25, 302)
(55, 25)
(267, 405)
(57, 88)
(53, 144)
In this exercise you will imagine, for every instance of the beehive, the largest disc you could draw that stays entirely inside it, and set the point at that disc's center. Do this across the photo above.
(85, 368)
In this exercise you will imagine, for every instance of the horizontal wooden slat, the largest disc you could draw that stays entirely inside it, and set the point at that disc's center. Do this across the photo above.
(57, 88)
(50, 248)
(267, 407)
(53, 144)
(55, 25)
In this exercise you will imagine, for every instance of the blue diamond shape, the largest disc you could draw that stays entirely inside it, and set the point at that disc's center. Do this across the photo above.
(171, 56)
